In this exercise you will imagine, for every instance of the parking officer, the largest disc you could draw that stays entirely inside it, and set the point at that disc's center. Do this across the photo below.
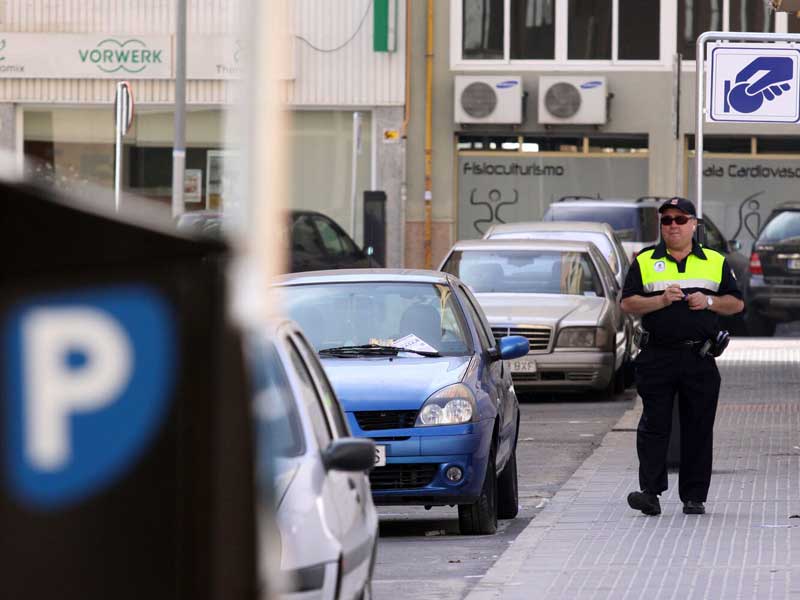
(678, 288)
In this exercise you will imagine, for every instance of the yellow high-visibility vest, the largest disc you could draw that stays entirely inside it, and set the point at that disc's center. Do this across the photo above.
(660, 273)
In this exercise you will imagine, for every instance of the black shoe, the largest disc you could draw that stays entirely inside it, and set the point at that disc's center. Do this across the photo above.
(647, 503)
(693, 507)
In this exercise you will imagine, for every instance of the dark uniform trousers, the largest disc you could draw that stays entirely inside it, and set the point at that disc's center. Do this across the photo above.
(660, 374)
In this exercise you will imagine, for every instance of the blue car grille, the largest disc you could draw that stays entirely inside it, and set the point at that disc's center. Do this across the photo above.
(402, 477)
(370, 420)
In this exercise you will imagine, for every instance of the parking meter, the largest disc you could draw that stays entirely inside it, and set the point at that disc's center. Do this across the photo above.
(124, 411)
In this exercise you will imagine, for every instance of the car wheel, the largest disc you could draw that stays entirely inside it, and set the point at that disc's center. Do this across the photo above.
(480, 517)
(508, 489)
(759, 325)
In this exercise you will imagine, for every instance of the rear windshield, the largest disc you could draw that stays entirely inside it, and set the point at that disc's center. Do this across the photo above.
(598, 239)
(784, 227)
(525, 272)
(632, 223)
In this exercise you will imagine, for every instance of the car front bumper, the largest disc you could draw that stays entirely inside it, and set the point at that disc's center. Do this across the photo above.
(418, 458)
(566, 370)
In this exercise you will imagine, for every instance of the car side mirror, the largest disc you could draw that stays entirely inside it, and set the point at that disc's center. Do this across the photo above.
(512, 346)
(349, 454)
(734, 245)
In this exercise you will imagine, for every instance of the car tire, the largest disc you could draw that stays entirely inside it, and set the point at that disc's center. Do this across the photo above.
(480, 517)
(758, 325)
(508, 489)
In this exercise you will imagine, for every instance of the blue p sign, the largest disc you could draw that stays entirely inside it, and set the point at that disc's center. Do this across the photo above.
(88, 382)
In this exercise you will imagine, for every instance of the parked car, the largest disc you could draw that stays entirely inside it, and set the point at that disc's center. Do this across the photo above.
(634, 221)
(327, 520)
(416, 368)
(602, 236)
(316, 242)
(562, 296)
(772, 292)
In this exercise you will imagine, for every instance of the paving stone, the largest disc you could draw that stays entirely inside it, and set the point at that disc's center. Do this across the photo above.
(588, 544)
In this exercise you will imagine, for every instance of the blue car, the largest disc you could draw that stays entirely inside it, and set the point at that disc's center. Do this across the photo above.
(416, 368)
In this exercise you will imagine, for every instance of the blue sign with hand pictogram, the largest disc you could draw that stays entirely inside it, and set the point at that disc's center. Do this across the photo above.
(753, 83)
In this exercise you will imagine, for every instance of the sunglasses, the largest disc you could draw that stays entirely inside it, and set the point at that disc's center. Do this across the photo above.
(680, 220)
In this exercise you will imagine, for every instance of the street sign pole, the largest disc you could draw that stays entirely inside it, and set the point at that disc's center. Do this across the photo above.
(123, 116)
(700, 56)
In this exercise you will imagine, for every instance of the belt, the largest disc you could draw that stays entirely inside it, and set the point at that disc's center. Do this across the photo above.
(676, 345)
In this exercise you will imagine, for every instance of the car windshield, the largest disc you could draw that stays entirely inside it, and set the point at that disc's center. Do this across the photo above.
(632, 223)
(598, 239)
(526, 272)
(418, 316)
(782, 228)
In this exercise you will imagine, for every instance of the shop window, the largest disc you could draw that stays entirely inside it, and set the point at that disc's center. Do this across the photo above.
(778, 145)
(533, 30)
(722, 144)
(589, 30)
(618, 144)
(698, 16)
(556, 144)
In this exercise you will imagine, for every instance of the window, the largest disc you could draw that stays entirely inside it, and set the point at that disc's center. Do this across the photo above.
(482, 29)
(607, 30)
(329, 401)
(334, 240)
(589, 30)
(697, 16)
(639, 30)
(484, 330)
(533, 30)
(310, 399)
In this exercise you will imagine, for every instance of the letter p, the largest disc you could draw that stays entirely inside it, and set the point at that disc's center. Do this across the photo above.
(77, 360)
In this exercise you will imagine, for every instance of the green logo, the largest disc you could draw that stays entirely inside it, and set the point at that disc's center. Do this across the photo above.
(111, 56)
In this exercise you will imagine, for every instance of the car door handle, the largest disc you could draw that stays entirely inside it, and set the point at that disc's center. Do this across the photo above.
(351, 484)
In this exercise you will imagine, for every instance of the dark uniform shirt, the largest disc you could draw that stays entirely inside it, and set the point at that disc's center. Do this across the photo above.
(676, 322)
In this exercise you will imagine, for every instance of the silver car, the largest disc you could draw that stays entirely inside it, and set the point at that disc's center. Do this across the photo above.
(562, 296)
(326, 518)
(600, 234)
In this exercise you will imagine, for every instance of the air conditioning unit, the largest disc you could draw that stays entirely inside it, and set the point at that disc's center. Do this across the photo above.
(568, 100)
(488, 99)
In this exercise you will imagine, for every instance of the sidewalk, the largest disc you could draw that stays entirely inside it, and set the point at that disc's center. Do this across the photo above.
(587, 543)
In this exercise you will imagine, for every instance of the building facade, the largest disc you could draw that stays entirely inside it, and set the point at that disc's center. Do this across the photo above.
(60, 61)
(640, 56)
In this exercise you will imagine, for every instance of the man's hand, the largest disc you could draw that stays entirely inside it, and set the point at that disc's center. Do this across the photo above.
(673, 293)
(697, 301)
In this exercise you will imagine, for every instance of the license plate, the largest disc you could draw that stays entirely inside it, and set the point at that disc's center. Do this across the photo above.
(794, 264)
(523, 366)
(380, 456)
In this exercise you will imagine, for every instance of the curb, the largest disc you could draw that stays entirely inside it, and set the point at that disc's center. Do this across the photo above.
(503, 574)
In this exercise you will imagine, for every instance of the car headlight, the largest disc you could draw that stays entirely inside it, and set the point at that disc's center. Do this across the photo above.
(452, 405)
(583, 337)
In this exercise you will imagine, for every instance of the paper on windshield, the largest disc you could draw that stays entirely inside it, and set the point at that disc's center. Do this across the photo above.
(412, 342)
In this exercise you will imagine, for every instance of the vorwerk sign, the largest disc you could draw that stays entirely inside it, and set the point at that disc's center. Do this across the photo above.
(113, 55)
(85, 56)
